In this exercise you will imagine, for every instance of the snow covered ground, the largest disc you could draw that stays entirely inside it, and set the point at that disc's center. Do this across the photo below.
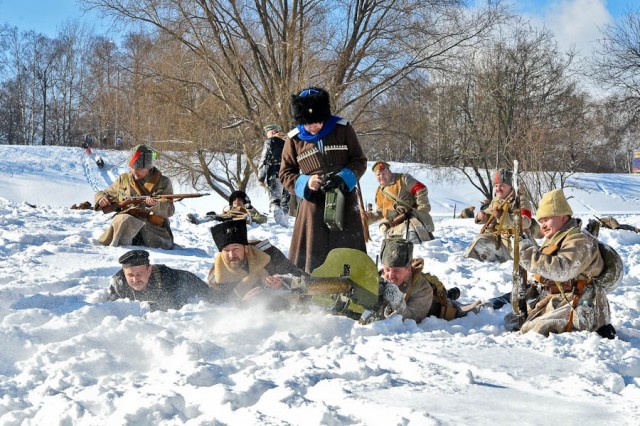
(69, 357)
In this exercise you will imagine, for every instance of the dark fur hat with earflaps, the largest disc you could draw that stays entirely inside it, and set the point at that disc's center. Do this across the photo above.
(311, 105)
(239, 194)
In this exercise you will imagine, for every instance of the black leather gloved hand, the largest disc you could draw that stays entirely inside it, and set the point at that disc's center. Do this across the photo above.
(332, 181)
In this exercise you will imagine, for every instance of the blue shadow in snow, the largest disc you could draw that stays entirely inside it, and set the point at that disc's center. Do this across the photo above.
(58, 305)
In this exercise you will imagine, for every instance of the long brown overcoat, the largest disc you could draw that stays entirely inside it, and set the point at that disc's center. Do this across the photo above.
(312, 240)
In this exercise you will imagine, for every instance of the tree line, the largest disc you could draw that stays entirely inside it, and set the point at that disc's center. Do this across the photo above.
(430, 81)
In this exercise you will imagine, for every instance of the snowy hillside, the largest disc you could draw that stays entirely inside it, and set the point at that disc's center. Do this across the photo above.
(70, 357)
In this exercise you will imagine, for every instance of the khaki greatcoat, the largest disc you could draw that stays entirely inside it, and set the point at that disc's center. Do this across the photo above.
(404, 192)
(493, 244)
(124, 227)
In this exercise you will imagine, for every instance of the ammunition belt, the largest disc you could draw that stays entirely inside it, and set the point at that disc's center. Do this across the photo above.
(567, 286)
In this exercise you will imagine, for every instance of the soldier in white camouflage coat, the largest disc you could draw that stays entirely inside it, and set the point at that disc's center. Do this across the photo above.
(564, 268)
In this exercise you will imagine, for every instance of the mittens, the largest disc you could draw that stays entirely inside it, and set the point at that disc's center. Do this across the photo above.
(394, 296)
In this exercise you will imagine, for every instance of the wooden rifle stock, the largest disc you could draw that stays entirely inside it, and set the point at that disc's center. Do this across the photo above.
(151, 217)
(365, 226)
(399, 219)
(117, 207)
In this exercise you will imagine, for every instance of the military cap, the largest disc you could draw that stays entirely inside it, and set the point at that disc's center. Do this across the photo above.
(380, 165)
(503, 176)
(397, 252)
(141, 158)
(275, 127)
(134, 258)
(229, 232)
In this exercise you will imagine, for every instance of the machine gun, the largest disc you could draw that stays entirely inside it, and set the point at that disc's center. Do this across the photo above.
(346, 284)
(130, 201)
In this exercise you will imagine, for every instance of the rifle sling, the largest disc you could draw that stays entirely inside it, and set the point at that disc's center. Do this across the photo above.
(149, 186)
(397, 200)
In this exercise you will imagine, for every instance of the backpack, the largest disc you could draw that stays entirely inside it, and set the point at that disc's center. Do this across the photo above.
(613, 271)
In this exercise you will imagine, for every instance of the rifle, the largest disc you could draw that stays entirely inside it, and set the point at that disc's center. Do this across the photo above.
(151, 217)
(493, 217)
(128, 201)
(399, 219)
(365, 227)
(519, 275)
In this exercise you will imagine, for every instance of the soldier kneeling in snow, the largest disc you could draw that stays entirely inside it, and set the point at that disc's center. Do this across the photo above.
(144, 224)
(570, 276)
(164, 288)
(494, 243)
(412, 293)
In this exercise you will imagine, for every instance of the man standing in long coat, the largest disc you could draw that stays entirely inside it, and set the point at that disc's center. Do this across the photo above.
(321, 154)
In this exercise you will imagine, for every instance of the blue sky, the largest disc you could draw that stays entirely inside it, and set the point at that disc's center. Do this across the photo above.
(574, 21)
(45, 16)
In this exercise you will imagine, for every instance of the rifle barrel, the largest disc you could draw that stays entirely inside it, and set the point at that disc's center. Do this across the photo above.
(196, 195)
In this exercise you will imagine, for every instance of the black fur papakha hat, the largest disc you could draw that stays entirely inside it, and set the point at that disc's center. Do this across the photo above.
(229, 232)
(134, 258)
(239, 194)
(311, 105)
(397, 252)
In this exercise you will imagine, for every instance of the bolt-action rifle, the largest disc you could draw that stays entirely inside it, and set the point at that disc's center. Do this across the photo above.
(130, 201)
(519, 275)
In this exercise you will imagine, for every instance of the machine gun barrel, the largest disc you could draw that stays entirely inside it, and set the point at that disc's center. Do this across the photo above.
(313, 286)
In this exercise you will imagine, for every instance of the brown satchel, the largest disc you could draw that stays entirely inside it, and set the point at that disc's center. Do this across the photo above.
(150, 217)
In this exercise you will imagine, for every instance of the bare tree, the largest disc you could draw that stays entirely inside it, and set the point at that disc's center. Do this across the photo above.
(252, 54)
(516, 99)
(616, 63)
(615, 67)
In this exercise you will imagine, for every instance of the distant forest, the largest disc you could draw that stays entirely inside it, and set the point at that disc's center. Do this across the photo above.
(432, 81)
